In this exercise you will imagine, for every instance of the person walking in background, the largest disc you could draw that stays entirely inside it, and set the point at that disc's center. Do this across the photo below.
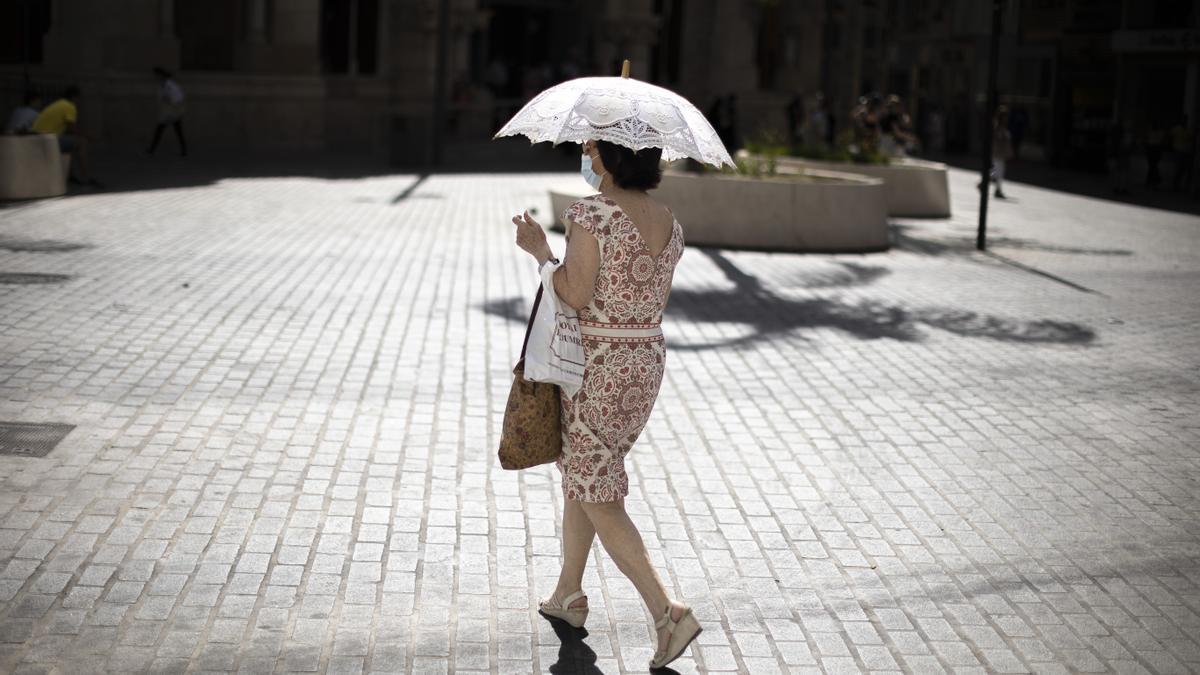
(23, 116)
(1002, 150)
(1183, 153)
(61, 118)
(733, 141)
(896, 138)
(170, 111)
(818, 129)
(1156, 143)
(622, 248)
(1120, 149)
(935, 130)
(796, 122)
(866, 123)
(723, 117)
(1018, 122)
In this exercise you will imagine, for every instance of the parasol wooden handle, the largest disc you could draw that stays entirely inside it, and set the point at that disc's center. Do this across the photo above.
(625, 69)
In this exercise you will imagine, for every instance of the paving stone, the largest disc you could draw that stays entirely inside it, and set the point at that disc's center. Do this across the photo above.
(288, 392)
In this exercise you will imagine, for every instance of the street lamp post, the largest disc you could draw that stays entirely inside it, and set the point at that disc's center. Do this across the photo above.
(989, 122)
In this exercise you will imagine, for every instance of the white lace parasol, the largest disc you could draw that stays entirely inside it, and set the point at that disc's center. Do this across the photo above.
(619, 110)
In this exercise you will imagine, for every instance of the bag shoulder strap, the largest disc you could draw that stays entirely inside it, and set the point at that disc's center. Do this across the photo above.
(537, 300)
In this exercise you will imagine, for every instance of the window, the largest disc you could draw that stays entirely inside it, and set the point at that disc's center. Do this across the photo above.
(349, 36)
(25, 23)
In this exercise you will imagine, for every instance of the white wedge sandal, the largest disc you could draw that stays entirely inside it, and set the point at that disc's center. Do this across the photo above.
(572, 615)
(679, 635)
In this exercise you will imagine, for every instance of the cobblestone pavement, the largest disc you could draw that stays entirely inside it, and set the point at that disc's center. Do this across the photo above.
(288, 392)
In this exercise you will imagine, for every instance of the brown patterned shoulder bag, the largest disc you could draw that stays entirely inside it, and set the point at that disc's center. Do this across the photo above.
(532, 426)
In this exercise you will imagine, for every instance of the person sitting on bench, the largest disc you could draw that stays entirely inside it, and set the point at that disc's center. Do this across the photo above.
(61, 119)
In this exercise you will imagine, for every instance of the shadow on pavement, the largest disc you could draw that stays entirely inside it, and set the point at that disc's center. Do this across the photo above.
(122, 170)
(19, 245)
(1084, 183)
(765, 314)
(575, 657)
(903, 238)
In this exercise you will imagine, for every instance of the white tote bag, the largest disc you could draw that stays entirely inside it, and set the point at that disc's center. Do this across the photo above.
(555, 350)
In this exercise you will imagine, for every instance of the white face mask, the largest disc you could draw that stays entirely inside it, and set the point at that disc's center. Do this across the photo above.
(585, 167)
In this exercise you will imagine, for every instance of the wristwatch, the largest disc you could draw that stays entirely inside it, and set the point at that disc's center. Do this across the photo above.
(551, 259)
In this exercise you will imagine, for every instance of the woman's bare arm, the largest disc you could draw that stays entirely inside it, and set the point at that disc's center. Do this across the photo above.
(575, 280)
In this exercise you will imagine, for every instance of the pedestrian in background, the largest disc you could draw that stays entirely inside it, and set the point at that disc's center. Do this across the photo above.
(170, 111)
(819, 127)
(1018, 122)
(1120, 150)
(722, 114)
(1002, 149)
(935, 130)
(1183, 152)
(1156, 143)
(796, 122)
(61, 118)
(23, 116)
(896, 138)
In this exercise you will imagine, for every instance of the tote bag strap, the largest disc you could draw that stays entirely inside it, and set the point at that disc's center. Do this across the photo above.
(537, 300)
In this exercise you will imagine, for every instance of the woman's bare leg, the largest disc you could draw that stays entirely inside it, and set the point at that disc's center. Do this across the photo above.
(577, 537)
(624, 544)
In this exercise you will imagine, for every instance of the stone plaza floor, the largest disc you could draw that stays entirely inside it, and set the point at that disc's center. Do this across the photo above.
(287, 393)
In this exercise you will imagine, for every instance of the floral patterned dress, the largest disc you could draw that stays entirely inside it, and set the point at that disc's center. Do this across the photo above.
(623, 344)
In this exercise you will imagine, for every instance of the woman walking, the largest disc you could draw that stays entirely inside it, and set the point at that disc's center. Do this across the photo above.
(170, 111)
(622, 248)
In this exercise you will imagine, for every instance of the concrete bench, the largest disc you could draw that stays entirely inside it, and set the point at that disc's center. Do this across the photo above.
(31, 166)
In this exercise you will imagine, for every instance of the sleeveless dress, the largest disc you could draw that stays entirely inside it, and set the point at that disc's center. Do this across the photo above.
(623, 345)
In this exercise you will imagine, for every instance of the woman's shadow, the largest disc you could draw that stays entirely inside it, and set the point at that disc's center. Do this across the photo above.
(575, 657)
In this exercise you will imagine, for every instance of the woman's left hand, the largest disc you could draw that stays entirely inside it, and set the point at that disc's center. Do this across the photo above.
(531, 237)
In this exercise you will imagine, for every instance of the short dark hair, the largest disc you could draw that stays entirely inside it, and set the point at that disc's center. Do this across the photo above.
(71, 92)
(162, 72)
(631, 170)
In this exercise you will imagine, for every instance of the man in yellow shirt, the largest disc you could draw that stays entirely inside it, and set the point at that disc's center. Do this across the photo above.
(61, 119)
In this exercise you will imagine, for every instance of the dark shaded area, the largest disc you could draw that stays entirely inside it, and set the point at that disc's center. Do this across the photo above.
(1086, 184)
(124, 172)
(31, 278)
(39, 245)
(966, 245)
(768, 314)
(575, 657)
(903, 237)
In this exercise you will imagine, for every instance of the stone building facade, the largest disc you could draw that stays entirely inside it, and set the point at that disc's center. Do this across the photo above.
(361, 75)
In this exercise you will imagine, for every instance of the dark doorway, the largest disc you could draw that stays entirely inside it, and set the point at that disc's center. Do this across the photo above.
(349, 36)
(23, 24)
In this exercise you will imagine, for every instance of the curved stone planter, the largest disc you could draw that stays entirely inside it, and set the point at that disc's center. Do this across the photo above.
(827, 211)
(31, 166)
(915, 188)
